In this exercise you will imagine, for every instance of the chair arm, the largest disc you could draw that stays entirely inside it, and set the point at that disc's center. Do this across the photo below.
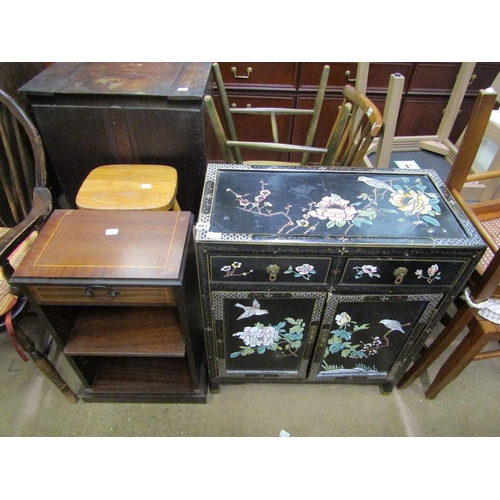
(40, 210)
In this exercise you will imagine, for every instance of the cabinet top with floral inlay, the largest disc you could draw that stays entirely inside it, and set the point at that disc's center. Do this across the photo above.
(330, 205)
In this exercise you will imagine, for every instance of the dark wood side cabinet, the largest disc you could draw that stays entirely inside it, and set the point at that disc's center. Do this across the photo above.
(92, 114)
(326, 275)
(118, 292)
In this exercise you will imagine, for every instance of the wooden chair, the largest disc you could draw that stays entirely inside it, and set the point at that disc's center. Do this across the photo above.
(356, 125)
(25, 205)
(484, 283)
(364, 124)
(272, 113)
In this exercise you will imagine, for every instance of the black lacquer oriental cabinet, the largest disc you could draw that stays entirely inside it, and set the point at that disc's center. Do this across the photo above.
(326, 275)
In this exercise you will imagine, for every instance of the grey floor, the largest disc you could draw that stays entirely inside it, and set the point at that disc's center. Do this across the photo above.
(31, 406)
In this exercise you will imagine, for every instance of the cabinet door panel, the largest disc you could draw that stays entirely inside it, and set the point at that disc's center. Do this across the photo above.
(435, 78)
(422, 116)
(81, 138)
(367, 334)
(272, 334)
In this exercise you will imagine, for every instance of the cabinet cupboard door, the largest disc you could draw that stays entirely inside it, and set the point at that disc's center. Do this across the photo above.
(367, 335)
(269, 334)
(422, 116)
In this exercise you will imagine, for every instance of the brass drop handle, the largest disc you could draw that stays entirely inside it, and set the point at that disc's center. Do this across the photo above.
(90, 291)
(400, 274)
(348, 74)
(234, 70)
(273, 271)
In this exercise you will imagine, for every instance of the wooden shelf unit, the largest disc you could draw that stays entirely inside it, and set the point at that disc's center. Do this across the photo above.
(122, 307)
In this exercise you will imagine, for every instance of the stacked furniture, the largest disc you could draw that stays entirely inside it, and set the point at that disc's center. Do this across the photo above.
(427, 90)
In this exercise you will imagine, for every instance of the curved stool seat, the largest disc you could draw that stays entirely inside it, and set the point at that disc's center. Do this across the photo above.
(129, 187)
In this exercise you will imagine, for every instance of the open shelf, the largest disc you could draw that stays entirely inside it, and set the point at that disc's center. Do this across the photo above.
(126, 331)
(152, 378)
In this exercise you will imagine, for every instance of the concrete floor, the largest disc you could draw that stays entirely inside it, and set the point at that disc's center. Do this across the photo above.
(31, 406)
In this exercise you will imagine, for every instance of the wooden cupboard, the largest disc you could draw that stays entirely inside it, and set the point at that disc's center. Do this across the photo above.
(117, 291)
(326, 276)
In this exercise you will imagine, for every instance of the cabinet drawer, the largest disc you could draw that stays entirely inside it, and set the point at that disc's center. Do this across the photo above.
(483, 76)
(402, 272)
(269, 269)
(260, 75)
(342, 74)
(102, 295)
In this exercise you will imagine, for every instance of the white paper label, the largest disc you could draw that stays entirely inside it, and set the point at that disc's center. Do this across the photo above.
(111, 232)
(146, 186)
(407, 164)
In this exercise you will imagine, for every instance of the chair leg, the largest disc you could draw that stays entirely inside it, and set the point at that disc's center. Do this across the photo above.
(44, 365)
(471, 345)
(457, 323)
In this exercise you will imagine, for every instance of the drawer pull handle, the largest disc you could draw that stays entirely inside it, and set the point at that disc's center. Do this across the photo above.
(348, 74)
(273, 271)
(90, 291)
(234, 70)
(400, 274)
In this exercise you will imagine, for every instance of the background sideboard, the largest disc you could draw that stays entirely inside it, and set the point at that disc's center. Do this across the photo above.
(427, 89)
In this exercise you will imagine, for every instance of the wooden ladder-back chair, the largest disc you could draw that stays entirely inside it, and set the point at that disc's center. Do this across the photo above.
(357, 123)
(364, 124)
(273, 113)
(484, 282)
(25, 205)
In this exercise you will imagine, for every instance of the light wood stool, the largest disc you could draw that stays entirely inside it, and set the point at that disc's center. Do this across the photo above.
(129, 187)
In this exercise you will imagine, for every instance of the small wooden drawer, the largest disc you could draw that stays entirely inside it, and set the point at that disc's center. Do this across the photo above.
(102, 295)
(260, 75)
(270, 269)
(402, 272)
(342, 74)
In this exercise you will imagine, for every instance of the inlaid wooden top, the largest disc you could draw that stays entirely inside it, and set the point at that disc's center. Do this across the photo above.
(104, 244)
